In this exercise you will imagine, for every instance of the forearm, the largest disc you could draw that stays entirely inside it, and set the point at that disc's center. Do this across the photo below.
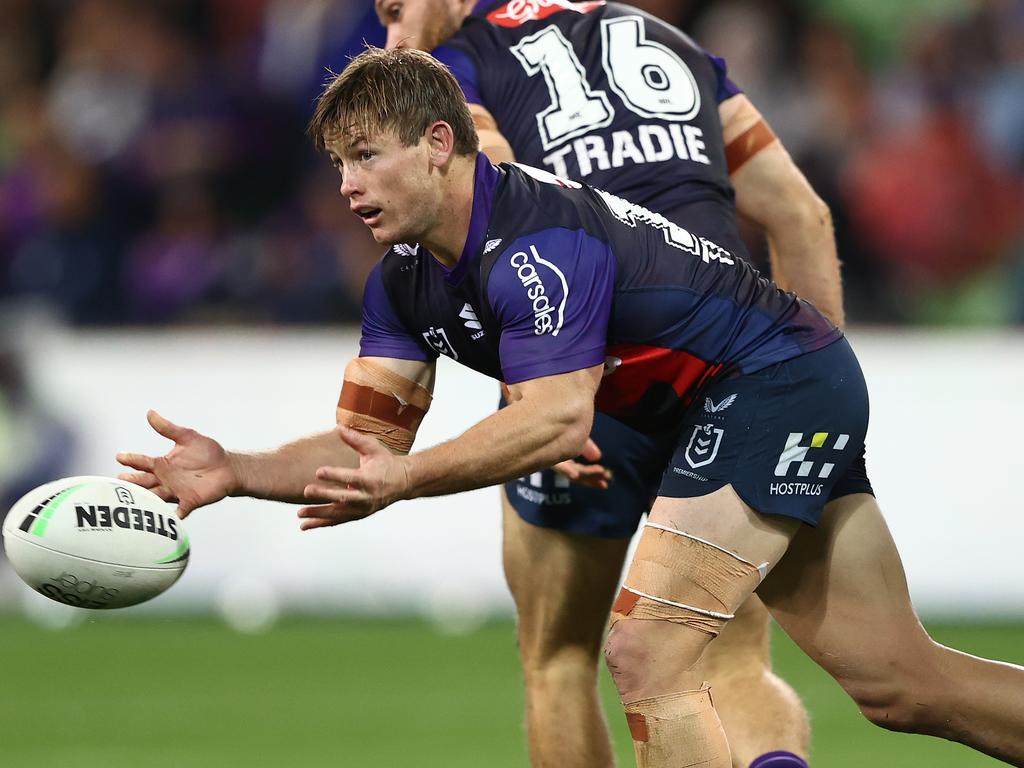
(773, 193)
(282, 474)
(804, 259)
(511, 443)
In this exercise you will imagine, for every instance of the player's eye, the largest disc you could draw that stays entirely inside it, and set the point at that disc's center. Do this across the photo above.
(366, 155)
(393, 12)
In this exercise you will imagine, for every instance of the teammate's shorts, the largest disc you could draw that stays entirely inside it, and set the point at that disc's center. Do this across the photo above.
(784, 437)
(638, 461)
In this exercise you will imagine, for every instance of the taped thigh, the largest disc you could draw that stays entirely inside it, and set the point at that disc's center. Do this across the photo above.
(685, 580)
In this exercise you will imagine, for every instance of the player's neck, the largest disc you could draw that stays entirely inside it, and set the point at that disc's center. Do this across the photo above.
(447, 238)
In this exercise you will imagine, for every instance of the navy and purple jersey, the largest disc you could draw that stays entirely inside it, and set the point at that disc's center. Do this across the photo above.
(557, 276)
(602, 93)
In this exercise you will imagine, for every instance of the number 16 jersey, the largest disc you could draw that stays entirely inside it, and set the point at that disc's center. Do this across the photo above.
(599, 92)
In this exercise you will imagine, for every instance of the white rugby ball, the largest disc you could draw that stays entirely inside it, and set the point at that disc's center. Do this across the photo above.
(95, 542)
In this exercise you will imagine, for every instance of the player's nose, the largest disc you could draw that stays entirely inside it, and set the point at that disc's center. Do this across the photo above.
(349, 185)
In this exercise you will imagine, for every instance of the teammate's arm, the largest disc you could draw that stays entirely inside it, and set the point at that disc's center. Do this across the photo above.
(772, 192)
(548, 419)
(492, 141)
(384, 398)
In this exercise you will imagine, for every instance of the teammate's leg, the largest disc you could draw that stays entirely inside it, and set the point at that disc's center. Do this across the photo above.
(759, 710)
(841, 594)
(563, 586)
(698, 560)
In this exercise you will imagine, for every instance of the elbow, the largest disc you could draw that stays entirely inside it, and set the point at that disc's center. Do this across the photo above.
(818, 212)
(796, 207)
(807, 210)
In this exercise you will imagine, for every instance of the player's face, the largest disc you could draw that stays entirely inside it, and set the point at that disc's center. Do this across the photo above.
(388, 185)
(422, 24)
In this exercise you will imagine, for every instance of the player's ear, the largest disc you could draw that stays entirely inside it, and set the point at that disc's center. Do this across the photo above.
(441, 139)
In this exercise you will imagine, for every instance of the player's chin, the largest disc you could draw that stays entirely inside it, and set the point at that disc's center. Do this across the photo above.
(382, 235)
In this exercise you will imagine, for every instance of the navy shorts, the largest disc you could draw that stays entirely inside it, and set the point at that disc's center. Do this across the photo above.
(638, 461)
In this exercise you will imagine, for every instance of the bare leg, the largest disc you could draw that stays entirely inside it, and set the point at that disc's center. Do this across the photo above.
(563, 586)
(760, 712)
(841, 594)
(654, 662)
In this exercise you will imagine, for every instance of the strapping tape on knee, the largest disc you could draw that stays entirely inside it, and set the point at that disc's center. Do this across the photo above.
(679, 578)
(660, 725)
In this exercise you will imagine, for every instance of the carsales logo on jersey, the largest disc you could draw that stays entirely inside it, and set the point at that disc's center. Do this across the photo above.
(547, 316)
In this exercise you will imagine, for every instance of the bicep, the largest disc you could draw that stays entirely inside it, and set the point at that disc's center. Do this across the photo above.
(573, 387)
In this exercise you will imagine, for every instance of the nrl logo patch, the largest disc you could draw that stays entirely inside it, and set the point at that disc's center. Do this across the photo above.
(437, 340)
(703, 446)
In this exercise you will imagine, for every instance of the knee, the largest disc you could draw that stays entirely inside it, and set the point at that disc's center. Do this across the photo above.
(645, 657)
(626, 653)
(559, 665)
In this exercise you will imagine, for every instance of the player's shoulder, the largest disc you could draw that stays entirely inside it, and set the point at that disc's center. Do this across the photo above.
(537, 198)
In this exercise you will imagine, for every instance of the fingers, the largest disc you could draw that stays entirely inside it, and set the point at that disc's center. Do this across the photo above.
(363, 444)
(334, 493)
(166, 428)
(308, 525)
(590, 475)
(139, 461)
(144, 479)
(591, 451)
(341, 475)
(323, 515)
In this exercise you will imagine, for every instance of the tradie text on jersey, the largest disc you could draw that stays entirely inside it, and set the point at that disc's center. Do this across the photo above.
(652, 144)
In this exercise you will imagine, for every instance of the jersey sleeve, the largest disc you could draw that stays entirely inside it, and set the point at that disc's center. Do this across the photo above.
(464, 69)
(551, 293)
(726, 88)
(383, 334)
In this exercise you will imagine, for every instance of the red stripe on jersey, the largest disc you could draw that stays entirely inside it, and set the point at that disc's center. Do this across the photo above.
(641, 366)
(517, 12)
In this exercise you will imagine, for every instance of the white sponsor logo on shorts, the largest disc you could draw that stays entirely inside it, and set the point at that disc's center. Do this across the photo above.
(795, 489)
(795, 453)
(688, 473)
(710, 407)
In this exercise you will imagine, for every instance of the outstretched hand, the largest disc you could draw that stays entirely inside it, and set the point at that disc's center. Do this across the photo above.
(354, 493)
(194, 473)
(591, 475)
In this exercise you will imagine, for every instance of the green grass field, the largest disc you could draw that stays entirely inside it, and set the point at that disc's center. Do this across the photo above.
(148, 693)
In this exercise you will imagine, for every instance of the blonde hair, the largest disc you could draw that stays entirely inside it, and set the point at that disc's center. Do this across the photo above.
(400, 91)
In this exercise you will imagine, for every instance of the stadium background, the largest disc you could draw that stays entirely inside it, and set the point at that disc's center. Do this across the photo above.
(168, 239)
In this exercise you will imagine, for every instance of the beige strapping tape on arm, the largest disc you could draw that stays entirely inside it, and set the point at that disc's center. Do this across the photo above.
(379, 402)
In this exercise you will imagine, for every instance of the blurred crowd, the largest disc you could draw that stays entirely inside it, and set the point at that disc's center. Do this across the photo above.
(154, 166)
